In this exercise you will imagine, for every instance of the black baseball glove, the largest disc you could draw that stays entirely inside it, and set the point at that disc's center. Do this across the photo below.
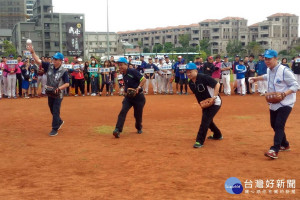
(53, 92)
(131, 92)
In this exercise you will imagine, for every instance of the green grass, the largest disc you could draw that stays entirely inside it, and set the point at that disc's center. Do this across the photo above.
(104, 130)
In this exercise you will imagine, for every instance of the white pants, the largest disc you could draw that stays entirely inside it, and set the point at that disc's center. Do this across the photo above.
(153, 82)
(1, 81)
(43, 81)
(252, 86)
(168, 88)
(226, 84)
(11, 85)
(297, 76)
(160, 84)
(4, 88)
(241, 86)
(262, 86)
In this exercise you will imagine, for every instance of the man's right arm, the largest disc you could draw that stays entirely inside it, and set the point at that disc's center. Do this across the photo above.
(34, 56)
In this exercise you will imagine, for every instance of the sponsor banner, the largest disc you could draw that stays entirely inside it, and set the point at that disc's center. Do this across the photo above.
(135, 62)
(11, 62)
(67, 66)
(149, 71)
(120, 76)
(93, 69)
(104, 70)
(74, 39)
(182, 66)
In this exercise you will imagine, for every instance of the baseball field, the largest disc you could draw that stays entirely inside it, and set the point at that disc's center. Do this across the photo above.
(85, 162)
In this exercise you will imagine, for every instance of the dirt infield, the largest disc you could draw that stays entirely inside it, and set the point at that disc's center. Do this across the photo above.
(84, 161)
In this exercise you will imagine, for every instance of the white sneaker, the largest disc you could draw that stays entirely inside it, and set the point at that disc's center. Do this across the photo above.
(88, 94)
(76, 95)
(83, 95)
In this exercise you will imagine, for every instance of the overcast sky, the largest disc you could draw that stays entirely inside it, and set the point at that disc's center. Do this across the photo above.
(140, 14)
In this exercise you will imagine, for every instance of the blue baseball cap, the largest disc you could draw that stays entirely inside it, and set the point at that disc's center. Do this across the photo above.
(11, 56)
(58, 56)
(122, 60)
(191, 66)
(270, 53)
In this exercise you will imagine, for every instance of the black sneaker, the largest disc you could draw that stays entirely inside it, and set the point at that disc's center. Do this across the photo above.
(140, 131)
(198, 145)
(116, 133)
(61, 124)
(211, 137)
(53, 133)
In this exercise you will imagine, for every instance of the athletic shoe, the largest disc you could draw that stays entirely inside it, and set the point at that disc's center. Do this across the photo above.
(198, 145)
(282, 148)
(53, 133)
(61, 124)
(186, 93)
(88, 94)
(8, 97)
(116, 133)
(262, 94)
(140, 131)
(83, 95)
(272, 154)
(15, 97)
(111, 94)
(76, 95)
(211, 137)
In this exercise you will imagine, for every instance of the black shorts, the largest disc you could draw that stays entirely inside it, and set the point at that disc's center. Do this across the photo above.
(183, 81)
(177, 78)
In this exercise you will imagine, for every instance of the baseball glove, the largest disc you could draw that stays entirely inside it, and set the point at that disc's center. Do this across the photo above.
(131, 92)
(275, 97)
(53, 92)
(207, 103)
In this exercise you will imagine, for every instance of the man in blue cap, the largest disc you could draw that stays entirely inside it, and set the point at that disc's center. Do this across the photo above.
(57, 81)
(280, 79)
(205, 87)
(133, 81)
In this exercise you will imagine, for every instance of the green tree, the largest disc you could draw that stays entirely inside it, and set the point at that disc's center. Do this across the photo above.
(9, 49)
(157, 48)
(254, 48)
(168, 47)
(202, 55)
(184, 40)
(234, 47)
(146, 50)
(205, 46)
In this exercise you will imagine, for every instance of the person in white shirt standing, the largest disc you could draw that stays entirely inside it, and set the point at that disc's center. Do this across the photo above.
(11, 69)
(225, 70)
(281, 80)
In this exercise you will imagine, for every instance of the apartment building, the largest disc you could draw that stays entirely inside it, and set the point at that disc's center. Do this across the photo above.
(29, 9)
(278, 32)
(12, 12)
(5, 34)
(96, 44)
(51, 32)
(149, 37)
